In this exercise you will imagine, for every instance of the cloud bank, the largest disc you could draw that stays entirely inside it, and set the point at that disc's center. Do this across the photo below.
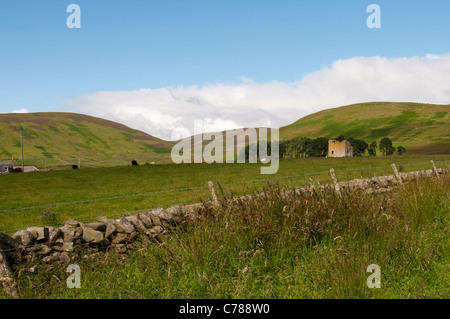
(22, 110)
(250, 104)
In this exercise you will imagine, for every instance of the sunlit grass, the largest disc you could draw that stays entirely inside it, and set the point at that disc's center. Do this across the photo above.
(296, 246)
(161, 185)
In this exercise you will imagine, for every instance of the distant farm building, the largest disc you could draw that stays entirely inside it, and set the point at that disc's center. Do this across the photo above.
(6, 168)
(28, 169)
(339, 149)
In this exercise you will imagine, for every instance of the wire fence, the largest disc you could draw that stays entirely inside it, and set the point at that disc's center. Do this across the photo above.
(101, 199)
(50, 163)
(264, 180)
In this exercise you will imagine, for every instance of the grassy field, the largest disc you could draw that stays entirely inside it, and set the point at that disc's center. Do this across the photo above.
(312, 246)
(116, 191)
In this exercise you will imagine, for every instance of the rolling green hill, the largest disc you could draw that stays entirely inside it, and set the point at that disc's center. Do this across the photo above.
(421, 128)
(72, 136)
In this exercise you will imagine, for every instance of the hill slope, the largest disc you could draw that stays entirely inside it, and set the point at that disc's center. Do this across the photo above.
(73, 136)
(421, 128)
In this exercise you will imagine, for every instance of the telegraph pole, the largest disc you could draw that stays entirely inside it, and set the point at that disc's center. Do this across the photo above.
(21, 146)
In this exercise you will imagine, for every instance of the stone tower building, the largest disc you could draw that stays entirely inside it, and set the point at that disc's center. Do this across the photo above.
(339, 149)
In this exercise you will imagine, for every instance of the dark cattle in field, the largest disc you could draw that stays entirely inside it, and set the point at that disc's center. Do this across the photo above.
(74, 166)
(134, 163)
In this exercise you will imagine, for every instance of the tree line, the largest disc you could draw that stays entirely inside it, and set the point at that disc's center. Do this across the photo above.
(302, 147)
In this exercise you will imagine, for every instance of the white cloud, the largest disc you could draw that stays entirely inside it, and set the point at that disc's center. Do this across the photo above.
(22, 110)
(251, 104)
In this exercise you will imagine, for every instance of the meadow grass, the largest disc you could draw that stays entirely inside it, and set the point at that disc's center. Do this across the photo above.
(161, 185)
(281, 246)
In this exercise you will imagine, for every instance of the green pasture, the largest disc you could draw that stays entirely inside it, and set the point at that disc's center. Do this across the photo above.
(89, 193)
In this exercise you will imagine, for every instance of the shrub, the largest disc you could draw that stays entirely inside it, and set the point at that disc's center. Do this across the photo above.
(49, 217)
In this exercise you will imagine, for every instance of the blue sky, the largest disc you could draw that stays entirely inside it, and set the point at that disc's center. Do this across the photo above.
(132, 45)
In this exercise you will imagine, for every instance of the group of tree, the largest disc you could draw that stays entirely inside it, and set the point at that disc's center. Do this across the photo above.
(298, 147)
(360, 147)
(302, 147)
(387, 148)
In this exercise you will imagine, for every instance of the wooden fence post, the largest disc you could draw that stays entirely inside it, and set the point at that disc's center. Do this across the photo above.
(435, 169)
(397, 175)
(335, 182)
(213, 193)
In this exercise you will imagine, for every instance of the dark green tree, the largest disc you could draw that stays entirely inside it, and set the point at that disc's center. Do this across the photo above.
(373, 148)
(318, 147)
(390, 150)
(359, 146)
(296, 146)
(340, 138)
(401, 150)
(304, 146)
(282, 149)
(386, 146)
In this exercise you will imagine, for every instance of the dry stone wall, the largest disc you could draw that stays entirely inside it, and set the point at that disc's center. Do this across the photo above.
(50, 244)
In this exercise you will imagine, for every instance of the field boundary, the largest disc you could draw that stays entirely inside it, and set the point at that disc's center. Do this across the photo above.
(374, 184)
(204, 187)
(51, 244)
(262, 180)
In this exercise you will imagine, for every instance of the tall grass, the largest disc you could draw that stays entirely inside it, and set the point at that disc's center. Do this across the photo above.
(281, 245)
